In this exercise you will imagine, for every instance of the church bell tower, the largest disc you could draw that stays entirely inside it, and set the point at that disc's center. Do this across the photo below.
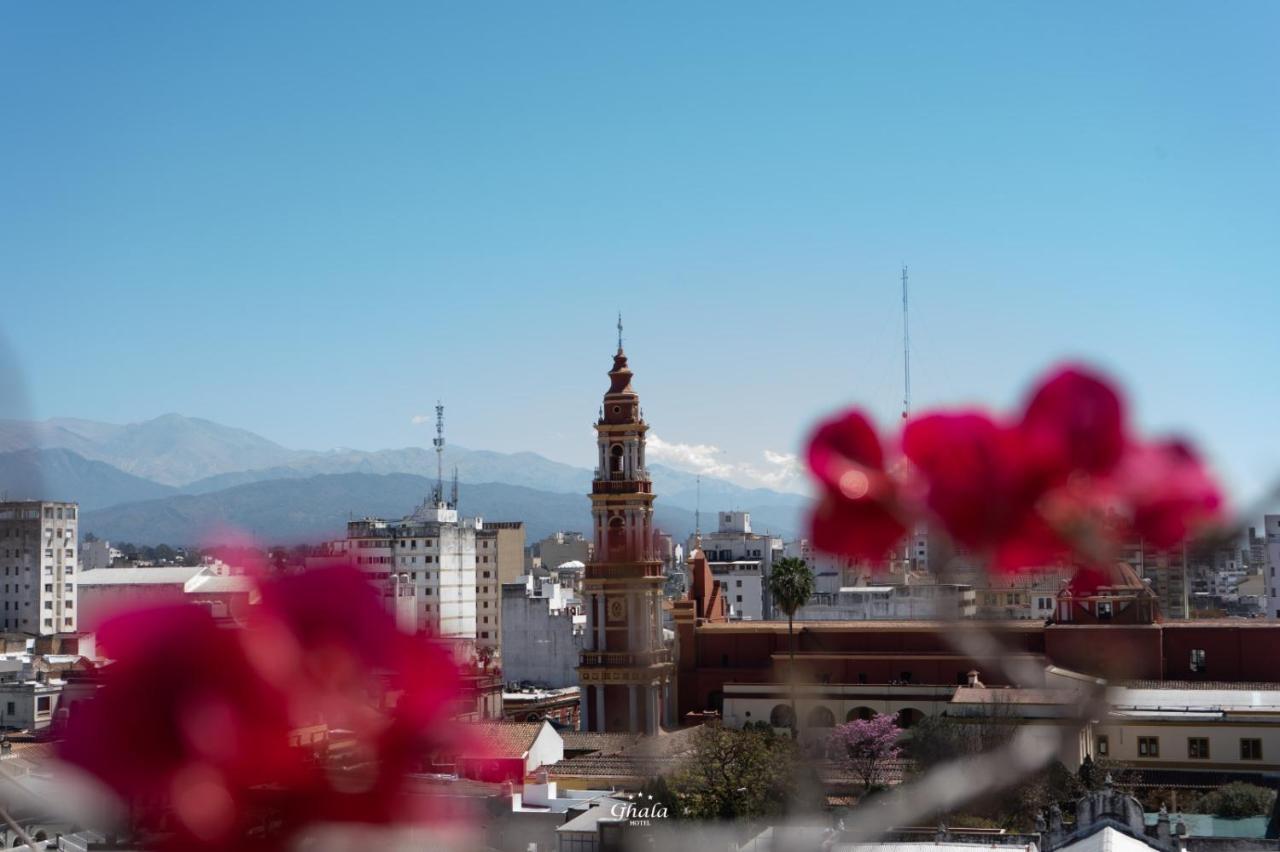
(625, 670)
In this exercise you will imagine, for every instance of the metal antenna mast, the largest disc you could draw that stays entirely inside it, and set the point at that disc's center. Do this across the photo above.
(697, 514)
(906, 351)
(438, 443)
(619, 331)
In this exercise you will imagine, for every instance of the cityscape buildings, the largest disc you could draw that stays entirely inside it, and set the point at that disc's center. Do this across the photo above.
(742, 561)
(424, 562)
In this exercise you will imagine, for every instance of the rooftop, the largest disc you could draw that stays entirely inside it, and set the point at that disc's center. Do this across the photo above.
(915, 626)
(175, 575)
(502, 739)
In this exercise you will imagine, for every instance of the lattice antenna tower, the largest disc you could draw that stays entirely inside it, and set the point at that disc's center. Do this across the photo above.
(438, 443)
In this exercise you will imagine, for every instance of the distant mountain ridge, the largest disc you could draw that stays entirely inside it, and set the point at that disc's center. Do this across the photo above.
(60, 474)
(170, 449)
(106, 465)
(291, 511)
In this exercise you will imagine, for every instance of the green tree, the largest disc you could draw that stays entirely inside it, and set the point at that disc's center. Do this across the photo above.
(791, 586)
(657, 791)
(734, 775)
(1238, 800)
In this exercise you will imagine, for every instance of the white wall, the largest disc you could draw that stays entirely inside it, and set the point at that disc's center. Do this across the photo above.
(539, 644)
(547, 748)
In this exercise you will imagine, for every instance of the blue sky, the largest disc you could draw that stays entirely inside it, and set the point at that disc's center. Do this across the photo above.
(312, 220)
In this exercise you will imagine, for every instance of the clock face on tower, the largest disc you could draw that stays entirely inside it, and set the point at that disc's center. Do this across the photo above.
(617, 609)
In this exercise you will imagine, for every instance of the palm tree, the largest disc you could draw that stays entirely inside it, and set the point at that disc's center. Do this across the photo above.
(791, 586)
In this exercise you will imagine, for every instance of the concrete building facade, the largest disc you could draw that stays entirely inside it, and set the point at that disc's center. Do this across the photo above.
(543, 625)
(1271, 538)
(39, 545)
(424, 563)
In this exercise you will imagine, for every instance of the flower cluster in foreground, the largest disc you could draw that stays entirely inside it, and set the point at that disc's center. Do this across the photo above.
(195, 723)
(1064, 480)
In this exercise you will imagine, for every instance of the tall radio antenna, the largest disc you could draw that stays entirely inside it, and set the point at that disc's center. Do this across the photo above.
(697, 515)
(906, 351)
(438, 443)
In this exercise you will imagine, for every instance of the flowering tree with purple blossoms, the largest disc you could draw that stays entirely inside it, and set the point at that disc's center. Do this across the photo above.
(864, 746)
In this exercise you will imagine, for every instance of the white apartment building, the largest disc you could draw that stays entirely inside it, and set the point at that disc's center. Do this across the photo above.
(1271, 535)
(38, 548)
(735, 554)
(744, 587)
(425, 564)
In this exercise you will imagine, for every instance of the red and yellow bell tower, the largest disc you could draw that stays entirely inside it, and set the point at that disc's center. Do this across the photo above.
(625, 671)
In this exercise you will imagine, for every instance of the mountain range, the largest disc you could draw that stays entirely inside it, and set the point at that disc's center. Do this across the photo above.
(179, 480)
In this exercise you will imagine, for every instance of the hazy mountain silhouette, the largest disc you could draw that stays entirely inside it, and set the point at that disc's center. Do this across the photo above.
(288, 511)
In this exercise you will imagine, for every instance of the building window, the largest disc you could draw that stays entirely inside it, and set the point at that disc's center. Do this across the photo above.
(42, 704)
(1198, 748)
(1104, 746)
(1148, 746)
(1198, 661)
(1250, 749)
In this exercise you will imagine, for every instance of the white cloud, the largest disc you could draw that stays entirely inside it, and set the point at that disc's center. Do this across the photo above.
(419, 419)
(780, 471)
(699, 458)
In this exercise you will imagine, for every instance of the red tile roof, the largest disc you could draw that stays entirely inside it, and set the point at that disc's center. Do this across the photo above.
(501, 739)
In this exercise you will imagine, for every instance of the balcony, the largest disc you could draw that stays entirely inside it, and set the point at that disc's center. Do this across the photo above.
(626, 659)
(617, 485)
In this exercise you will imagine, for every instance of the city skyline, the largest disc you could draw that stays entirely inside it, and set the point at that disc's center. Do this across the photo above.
(317, 244)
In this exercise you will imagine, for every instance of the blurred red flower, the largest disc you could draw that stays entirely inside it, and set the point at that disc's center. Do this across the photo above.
(183, 723)
(193, 721)
(981, 488)
(857, 513)
(1167, 493)
(1073, 423)
(1039, 490)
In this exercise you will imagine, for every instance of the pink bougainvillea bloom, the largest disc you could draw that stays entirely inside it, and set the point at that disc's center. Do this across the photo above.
(194, 720)
(1167, 492)
(184, 722)
(335, 647)
(1074, 422)
(980, 487)
(857, 515)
